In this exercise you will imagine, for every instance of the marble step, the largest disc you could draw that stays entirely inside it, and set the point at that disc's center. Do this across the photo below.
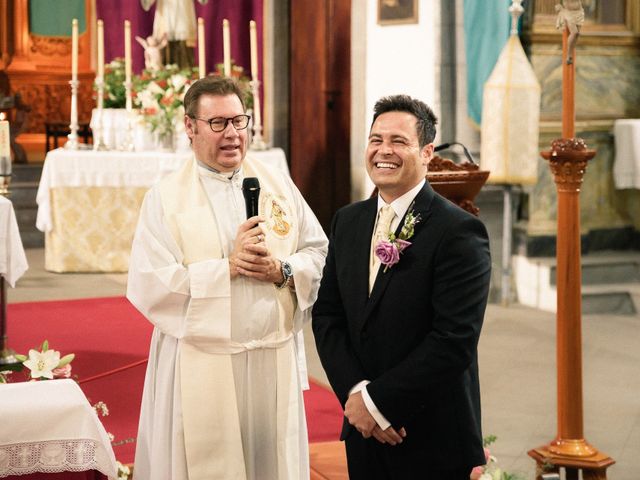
(610, 282)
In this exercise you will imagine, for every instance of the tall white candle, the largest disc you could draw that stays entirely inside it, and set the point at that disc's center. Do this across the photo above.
(127, 51)
(253, 38)
(226, 47)
(74, 49)
(5, 151)
(100, 50)
(202, 65)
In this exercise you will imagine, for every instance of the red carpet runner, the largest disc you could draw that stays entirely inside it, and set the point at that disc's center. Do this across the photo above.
(107, 334)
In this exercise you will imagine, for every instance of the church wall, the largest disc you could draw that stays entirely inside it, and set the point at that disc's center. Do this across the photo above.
(387, 60)
(607, 88)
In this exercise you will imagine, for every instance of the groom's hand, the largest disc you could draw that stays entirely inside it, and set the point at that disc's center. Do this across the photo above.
(390, 435)
(356, 412)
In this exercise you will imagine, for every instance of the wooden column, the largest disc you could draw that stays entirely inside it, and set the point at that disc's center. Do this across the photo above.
(568, 159)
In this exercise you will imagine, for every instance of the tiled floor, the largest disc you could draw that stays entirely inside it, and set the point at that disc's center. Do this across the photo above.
(517, 362)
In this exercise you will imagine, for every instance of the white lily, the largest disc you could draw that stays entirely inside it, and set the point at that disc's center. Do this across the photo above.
(42, 364)
(178, 81)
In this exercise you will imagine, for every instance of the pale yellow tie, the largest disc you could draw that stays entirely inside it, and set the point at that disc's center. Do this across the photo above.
(385, 217)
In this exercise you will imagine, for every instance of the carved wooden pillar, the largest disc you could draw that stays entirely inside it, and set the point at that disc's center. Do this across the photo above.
(568, 159)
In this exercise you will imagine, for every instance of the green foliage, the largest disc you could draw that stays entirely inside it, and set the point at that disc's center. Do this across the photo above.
(115, 95)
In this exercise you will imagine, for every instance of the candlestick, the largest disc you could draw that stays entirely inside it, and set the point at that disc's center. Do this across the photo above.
(72, 138)
(253, 38)
(257, 142)
(127, 64)
(226, 47)
(74, 49)
(5, 157)
(202, 69)
(100, 49)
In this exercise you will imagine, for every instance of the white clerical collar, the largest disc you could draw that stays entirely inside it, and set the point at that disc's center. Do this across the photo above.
(207, 171)
(401, 204)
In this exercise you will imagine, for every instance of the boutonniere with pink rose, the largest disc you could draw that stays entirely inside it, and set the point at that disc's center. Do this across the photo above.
(388, 251)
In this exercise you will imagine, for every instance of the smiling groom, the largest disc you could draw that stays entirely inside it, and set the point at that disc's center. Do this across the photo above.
(399, 312)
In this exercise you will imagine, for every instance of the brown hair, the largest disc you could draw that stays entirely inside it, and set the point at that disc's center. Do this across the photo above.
(426, 119)
(212, 85)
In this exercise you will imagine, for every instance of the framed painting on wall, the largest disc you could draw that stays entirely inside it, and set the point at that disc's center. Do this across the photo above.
(396, 12)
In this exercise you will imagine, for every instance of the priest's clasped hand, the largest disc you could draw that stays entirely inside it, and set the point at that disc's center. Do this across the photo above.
(250, 256)
(358, 415)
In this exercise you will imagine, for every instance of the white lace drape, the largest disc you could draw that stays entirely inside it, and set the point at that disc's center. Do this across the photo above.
(52, 457)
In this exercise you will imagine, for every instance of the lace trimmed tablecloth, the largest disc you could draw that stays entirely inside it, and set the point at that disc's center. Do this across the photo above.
(49, 426)
(13, 262)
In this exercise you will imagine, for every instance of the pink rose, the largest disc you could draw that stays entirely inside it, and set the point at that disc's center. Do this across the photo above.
(387, 253)
(62, 372)
(476, 473)
(487, 454)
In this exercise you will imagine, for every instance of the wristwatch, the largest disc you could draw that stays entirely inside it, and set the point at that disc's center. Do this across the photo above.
(287, 273)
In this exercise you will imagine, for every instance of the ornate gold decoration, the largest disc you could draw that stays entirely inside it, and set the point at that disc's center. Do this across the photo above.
(275, 210)
(50, 45)
(568, 159)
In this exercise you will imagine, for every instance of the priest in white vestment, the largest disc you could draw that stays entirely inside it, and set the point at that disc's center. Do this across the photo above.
(228, 297)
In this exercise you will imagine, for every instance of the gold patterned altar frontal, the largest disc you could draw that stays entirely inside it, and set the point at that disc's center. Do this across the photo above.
(93, 228)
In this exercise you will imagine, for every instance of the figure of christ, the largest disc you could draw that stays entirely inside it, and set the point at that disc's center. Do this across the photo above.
(571, 15)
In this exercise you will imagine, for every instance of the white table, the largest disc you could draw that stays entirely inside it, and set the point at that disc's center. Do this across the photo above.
(49, 426)
(626, 166)
(88, 203)
(13, 262)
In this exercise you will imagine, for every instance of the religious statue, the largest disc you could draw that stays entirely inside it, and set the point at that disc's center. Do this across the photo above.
(152, 51)
(175, 19)
(571, 15)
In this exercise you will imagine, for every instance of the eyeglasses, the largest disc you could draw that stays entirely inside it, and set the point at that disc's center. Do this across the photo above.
(219, 124)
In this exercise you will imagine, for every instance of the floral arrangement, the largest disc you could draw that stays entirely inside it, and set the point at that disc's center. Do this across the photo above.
(491, 471)
(238, 73)
(159, 94)
(388, 251)
(44, 364)
(102, 410)
(115, 95)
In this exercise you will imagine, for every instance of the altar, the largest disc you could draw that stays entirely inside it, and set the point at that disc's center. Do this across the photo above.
(88, 203)
(13, 262)
(50, 427)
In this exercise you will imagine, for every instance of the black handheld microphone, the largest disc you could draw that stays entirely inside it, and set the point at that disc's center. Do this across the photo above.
(251, 192)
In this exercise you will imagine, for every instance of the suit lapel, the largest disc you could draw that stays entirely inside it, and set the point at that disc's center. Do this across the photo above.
(421, 206)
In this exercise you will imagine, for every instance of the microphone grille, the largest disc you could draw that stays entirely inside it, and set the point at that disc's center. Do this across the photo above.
(250, 183)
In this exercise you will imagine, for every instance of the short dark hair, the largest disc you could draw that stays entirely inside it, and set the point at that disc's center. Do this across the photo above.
(212, 85)
(426, 119)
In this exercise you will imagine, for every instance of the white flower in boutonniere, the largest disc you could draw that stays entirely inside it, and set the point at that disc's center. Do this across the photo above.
(388, 251)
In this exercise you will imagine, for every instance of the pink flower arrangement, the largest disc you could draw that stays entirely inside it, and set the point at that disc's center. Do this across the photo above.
(490, 471)
(388, 251)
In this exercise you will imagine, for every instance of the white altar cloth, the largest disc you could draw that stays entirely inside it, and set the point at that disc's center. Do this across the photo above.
(87, 168)
(626, 166)
(88, 203)
(49, 426)
(13, 262)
